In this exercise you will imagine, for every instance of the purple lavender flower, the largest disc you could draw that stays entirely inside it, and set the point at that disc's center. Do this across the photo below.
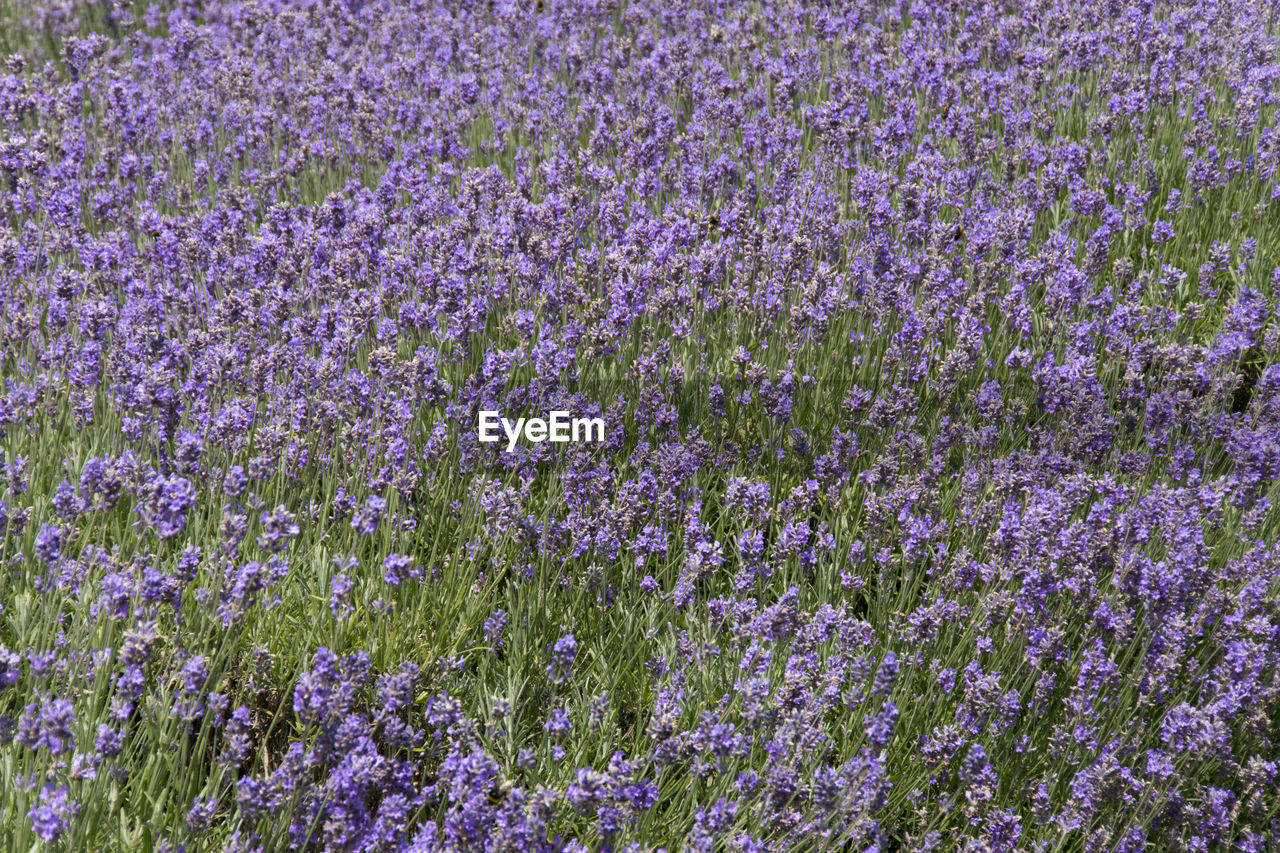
(398, 568)
(48, 724)
(493, 627)
(163, 503)
(49, 543)
(365, 521)
(237, 738)
(109, 741)
(880, 727)
(52, 813)
(10, 666)
(235, 481)
(278, 527)
(201, 812)
(558, 724)
(339, 588)
(563, 652)
(65, 502)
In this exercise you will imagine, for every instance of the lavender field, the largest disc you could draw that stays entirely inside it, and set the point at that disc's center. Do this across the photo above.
(937, 346)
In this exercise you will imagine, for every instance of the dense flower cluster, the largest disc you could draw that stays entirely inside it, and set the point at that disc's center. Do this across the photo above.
(938, 346)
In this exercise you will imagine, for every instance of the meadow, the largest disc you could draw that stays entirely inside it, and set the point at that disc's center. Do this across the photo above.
(938, 350)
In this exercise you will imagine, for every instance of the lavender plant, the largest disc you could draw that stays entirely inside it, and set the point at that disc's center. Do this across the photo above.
(938, 346)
